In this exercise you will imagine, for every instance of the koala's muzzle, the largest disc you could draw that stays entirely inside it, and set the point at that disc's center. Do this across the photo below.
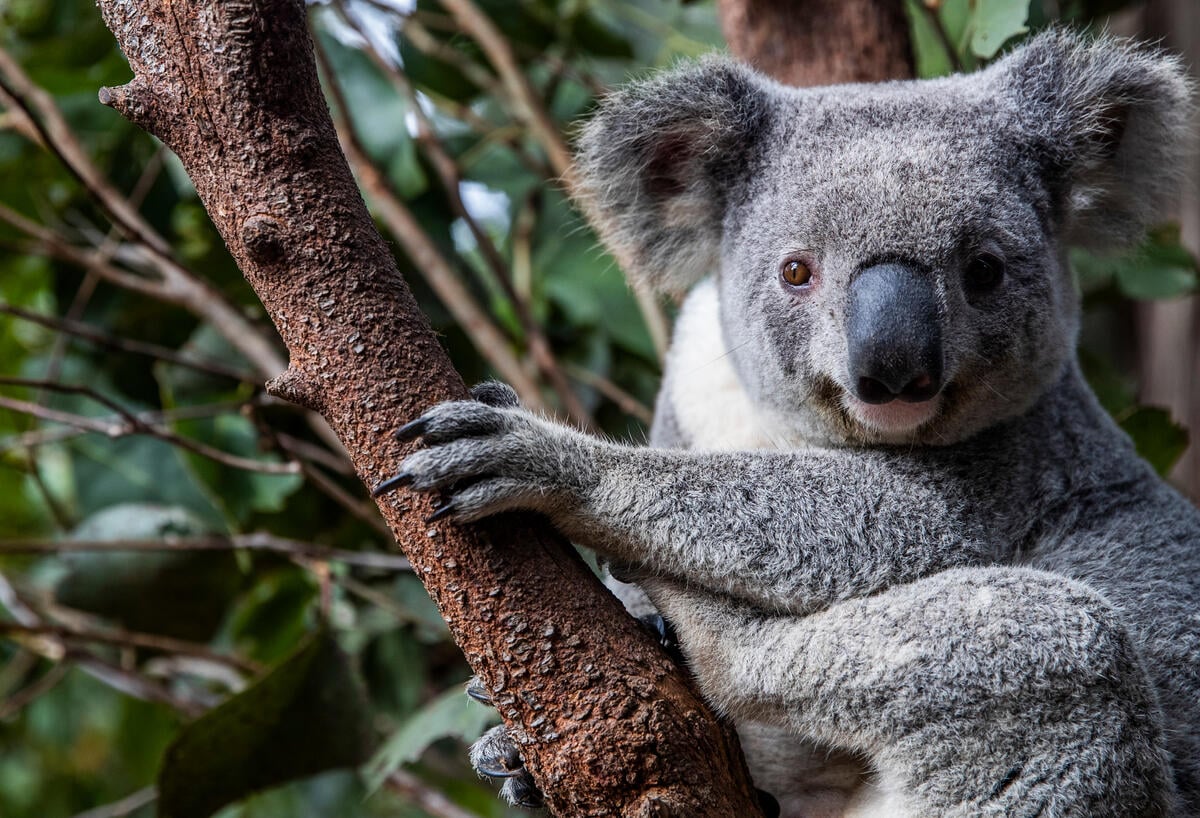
(894, 335)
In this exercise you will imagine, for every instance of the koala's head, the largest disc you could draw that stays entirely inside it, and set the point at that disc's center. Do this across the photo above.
(890, 258)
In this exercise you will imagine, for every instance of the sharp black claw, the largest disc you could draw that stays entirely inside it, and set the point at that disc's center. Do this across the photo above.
(498, 771)
(401, 479)
(412, 430)
(441, 512)
(479, 693)
(768, 803)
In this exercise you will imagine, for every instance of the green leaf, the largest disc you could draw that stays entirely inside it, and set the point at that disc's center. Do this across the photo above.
(174, 593)
(1161, 267)
(995, 23)
(598, 40)
(306, 716)
(452, 714)
(269, 620)
(1158, 438)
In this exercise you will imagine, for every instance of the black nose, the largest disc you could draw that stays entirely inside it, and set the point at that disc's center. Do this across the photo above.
(894, 334)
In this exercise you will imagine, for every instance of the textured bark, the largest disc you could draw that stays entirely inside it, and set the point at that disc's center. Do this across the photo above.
(820, 42)
(609, 726)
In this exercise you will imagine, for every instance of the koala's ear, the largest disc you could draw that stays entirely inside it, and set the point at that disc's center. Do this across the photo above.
(1111, 116)
(657, 163)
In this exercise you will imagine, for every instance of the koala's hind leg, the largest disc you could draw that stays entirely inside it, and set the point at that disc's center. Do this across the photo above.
(974, 692)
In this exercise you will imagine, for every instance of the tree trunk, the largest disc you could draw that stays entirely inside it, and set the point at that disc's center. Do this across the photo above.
(820, 42)
(608, 725)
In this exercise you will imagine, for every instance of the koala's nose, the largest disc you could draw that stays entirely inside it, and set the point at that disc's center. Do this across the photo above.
(894, 334)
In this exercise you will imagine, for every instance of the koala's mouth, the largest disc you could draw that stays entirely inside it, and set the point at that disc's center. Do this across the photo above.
(896, 417)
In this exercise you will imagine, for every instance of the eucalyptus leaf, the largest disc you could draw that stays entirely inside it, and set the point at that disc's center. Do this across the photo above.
(1158, 438)
(306, 716)
(452, 714)
(995, 22)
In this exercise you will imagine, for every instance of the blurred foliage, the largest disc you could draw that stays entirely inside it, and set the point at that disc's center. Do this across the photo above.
(352, 656)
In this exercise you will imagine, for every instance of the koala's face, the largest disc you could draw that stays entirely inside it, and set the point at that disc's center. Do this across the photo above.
(889, 257)
(891, 271)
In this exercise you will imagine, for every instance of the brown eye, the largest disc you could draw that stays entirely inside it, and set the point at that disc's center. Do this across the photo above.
(796, 273)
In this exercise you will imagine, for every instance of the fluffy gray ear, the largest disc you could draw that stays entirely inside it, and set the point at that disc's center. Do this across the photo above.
(656, 165)
(1112, 117)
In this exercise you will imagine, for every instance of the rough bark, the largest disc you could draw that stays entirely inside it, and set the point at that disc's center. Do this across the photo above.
(609, 726)
(820, 42)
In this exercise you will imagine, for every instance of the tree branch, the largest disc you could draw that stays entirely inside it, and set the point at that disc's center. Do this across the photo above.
(608, 726)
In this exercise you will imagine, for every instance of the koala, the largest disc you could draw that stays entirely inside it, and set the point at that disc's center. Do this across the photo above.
(902, 545)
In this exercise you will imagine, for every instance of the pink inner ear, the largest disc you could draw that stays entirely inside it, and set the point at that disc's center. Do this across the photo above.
(666, 173)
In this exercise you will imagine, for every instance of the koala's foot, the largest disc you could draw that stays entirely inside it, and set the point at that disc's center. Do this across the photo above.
(664, 632)
(495, 756)
(487, 455)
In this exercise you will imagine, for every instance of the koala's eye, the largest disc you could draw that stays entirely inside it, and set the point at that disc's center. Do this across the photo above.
(984, 273)
(796, 273)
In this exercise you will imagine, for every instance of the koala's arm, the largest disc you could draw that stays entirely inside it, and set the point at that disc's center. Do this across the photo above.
(791, 531)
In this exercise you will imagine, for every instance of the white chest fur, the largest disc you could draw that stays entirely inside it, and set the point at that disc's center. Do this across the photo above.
(710, 404)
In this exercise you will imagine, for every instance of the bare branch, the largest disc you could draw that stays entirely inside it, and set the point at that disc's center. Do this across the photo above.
(627, 402)
(18, 701)
(131, 425)
(422, 795)
(118, 809)
(130, 639)
(101, 338)
(260, 541)
(529, 108)
(41, 437)
(184, 287)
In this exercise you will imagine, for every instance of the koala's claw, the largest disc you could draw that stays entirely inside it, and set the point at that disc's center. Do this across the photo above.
(478, 692)
(489, 456)
(664, 632)
(495, 756)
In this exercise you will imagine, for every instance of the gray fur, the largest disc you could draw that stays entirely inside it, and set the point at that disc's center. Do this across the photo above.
(989, 611)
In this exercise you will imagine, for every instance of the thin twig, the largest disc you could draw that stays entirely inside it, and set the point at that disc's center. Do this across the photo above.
(187, 288)
(130, 639)
(422, 795)
(178, 284)
(131, 425)
(101, 338)
(42, 437)
(259, 541)
(939, 29)
(627, 402)
(114, 676)
(528, 108)
(362, 509)
(26, 696)
(118, 809)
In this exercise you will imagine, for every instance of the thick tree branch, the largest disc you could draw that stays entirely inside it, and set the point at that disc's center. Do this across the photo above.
(607, 724)
(820, 42)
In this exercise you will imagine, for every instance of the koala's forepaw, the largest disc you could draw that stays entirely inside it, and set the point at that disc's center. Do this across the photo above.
(488, 455)
(495, 756)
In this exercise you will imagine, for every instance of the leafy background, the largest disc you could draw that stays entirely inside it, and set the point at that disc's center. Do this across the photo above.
(250, 630)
